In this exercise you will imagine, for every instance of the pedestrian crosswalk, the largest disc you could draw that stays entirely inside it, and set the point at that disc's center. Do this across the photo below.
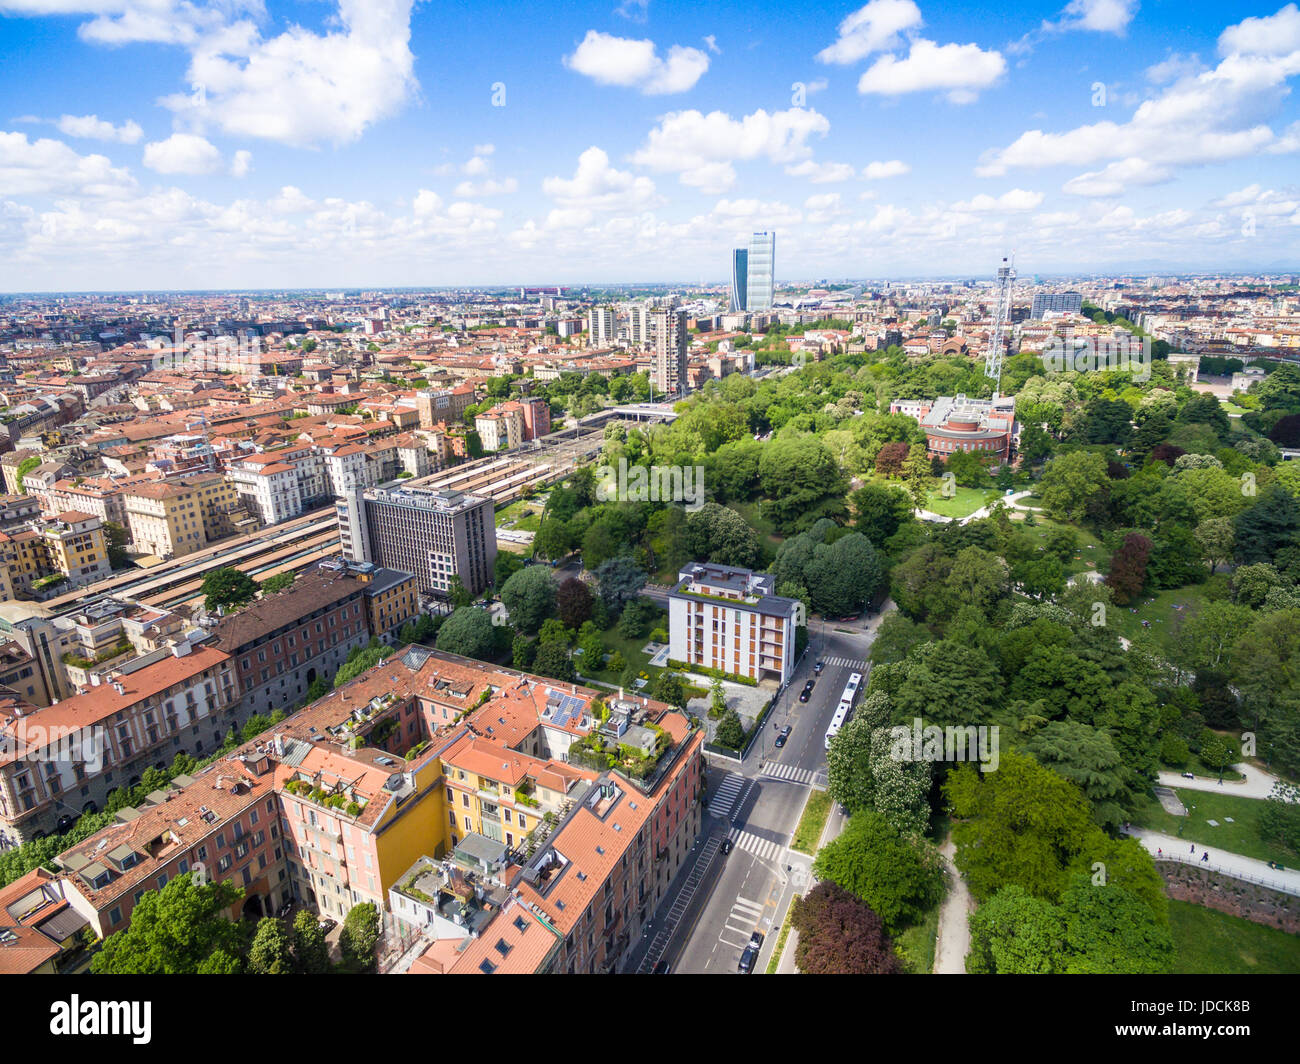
(776, 771)
(725, 796)
(742, 921)
(755, 845)
(848, 663)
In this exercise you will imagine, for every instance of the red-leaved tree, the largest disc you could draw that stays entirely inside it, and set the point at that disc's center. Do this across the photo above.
(1128, 568)
(839, 934)
(890, 458)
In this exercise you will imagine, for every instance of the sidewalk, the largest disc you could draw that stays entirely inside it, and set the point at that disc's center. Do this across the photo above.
(1229, 864)
(835, 822)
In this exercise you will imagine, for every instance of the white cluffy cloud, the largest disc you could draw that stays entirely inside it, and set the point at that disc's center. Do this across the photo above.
(298, 87)
(622, 61)
(701, 148)
(893, 168)
(598, 186)
(959, 70)
(873, 28)
(182, 153)
(1100, 16)
(1212, 117)
(92, 127)
(46, 166)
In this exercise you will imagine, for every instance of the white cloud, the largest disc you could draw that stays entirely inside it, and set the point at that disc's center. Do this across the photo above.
(622, 61)
(875, 27)
(241, 164)
(1212, 117)
(1276, 34)
(875, 171)
(92, 127)
(821, 173)
(597, 186)
(488, 187)
(484, 149)
(1116, 177)
(476, 166)
(302, 88)
(961, 69)
(711, 42)
(1174, 67)
(182, 153)
(702, 148)
(1100, 16)
(48, 167)
(1017, 199)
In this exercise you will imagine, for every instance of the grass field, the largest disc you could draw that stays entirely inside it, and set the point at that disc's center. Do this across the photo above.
(1089, 555)
(631, 651)
(812, 823)
(1158, 607)
(1240, 836)
(962, 504)
(1212, 943)
(915, 945)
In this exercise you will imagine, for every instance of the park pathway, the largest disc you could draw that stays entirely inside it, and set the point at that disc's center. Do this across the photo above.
(953, 939)
(1230, 864)
(1257, 784)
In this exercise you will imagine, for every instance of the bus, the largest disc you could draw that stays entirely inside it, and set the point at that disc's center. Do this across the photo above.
(845, 707)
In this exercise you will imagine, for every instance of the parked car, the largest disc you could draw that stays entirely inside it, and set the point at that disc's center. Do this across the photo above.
(1188, 776)
(747, 959)
(727, 845)
(806, 693)
(785, 734)
(327, 925)
(756, 940)
(817, 669)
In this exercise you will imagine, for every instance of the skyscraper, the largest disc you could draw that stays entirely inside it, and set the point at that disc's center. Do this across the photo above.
(739, 279)
(761, 269)
(668, 330)
(601, 325)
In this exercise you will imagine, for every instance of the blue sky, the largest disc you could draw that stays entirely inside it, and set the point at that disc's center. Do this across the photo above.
(168, 144)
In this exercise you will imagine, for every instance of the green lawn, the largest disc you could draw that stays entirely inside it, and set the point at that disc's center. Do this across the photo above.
(1158, 607)
(629, 648)
(1240, 836)
(1212, 943)
(774, 961)
(812, 823)
(915, 945)
(964, 503)
(1089, 555)
(526, 515)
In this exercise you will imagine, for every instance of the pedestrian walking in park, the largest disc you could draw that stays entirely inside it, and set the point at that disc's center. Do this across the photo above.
(1193, 847)
(1159, 852)
(1205, 856)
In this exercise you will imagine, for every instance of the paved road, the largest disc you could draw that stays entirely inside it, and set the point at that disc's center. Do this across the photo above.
(1257, 784)
(751, 887)
(1232, 864)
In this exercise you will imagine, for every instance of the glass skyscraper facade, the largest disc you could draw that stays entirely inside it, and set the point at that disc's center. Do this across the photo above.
(761, 267)
(739, 279)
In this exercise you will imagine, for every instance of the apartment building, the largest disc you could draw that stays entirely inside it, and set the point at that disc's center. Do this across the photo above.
(64, 759)
(283, 642)
(730, 619)
(222, 824)
(443, 405)
(500, 427)
(435, 535)
(178, 516)
(670, 339)
(268, 487)
(75, 546)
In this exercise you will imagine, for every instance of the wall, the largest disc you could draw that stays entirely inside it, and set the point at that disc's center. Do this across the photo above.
(1237, 897)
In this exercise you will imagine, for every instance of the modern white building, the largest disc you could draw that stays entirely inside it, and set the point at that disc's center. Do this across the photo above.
(760, 285)
(724, 618)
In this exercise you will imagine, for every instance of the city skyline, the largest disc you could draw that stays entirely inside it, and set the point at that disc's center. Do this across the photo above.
(887, 139)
